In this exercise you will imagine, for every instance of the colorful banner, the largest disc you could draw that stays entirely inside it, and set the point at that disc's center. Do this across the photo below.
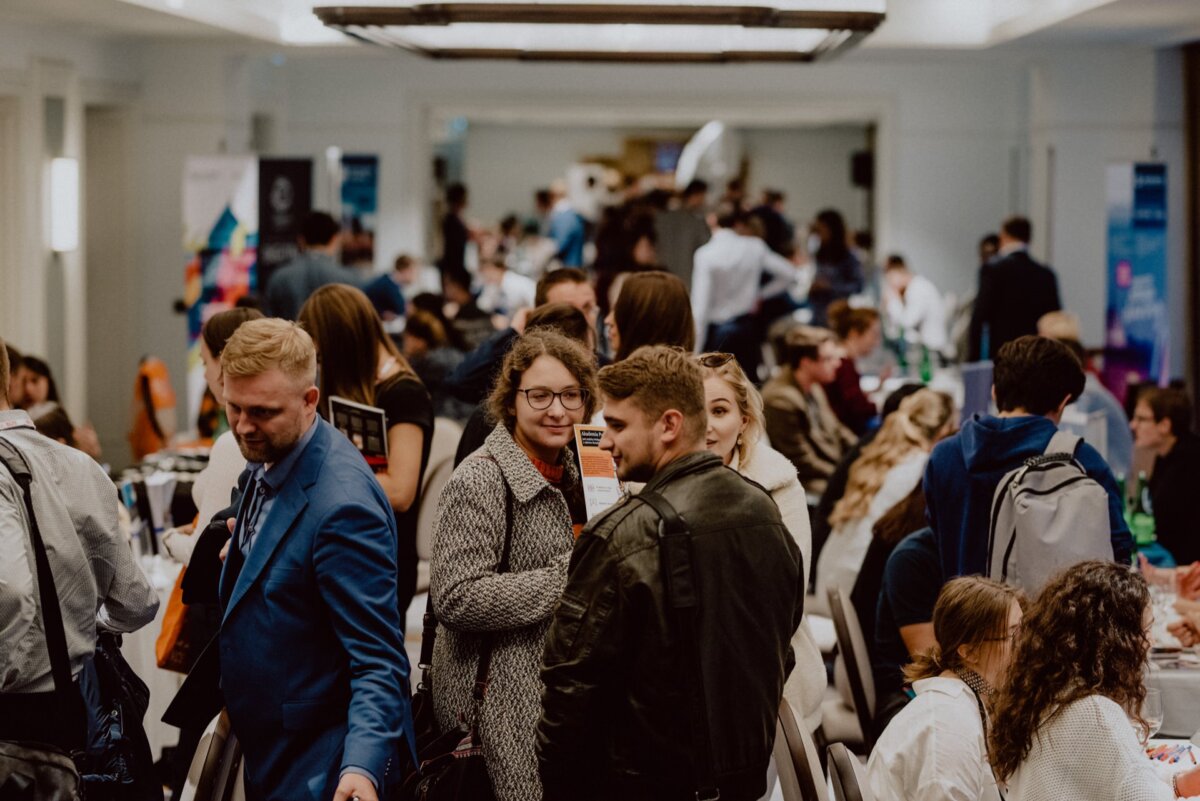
(360, 200)
(284, 198)
(220, 231)
(1137, 321)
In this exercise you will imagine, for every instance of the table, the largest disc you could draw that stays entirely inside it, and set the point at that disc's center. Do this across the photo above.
(138, 650)
(1180, 688)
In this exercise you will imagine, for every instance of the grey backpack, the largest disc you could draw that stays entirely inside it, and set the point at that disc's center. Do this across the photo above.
(1047, 515)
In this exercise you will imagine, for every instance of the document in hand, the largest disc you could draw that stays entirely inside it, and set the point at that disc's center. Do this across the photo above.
(601, 489)
(365, 426)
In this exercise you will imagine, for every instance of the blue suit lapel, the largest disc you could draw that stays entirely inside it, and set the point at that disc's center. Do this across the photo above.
(292, 500)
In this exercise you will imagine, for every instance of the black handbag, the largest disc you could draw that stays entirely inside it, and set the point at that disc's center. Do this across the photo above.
(38, 771)
(453, 767)
(117, 764)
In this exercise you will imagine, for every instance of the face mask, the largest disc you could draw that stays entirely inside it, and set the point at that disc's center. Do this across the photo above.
(814, 244)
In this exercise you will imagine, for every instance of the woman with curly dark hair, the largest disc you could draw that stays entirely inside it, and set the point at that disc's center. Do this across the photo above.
(1061, 727)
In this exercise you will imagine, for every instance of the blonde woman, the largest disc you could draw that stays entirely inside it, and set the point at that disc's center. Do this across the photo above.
(735, 433)
(883, 476)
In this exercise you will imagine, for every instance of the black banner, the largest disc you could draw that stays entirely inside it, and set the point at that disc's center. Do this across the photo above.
(284, 198)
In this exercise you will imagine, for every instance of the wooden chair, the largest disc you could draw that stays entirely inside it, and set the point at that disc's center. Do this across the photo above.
(854, 663)
(796, 759)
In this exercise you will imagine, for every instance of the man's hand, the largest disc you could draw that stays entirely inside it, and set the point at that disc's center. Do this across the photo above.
(1187, 628)
(355, 786)
(231, 522)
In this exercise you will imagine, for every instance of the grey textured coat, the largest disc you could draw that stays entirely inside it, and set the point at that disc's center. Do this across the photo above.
(471, 599)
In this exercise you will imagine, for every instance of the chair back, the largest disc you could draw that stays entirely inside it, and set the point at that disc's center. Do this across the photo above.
(847, 775)
(855, 661)
(215, 762)
(796, 759)
(446, 434)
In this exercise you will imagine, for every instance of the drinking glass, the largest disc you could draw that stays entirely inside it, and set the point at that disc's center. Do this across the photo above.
(1152, 710)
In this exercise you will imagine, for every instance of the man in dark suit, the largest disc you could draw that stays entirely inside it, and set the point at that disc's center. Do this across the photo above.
(312, 666)
(1014, 292)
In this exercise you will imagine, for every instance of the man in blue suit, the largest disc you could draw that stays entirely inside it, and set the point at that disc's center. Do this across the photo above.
(312, 666)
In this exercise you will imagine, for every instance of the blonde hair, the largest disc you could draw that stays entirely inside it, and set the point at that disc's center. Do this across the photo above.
(1059, 325)
(750, 403)
(913, 427)
(258, 346)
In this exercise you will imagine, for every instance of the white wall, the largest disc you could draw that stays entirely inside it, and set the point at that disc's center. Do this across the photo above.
(811, 166)
(1088, 110)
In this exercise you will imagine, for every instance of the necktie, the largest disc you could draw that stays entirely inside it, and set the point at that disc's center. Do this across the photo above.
(250, 520)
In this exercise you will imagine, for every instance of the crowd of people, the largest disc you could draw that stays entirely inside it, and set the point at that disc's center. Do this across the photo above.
(642, 652)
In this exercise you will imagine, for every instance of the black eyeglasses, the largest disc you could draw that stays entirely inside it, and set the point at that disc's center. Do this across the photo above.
(540, 398)
(714, 360)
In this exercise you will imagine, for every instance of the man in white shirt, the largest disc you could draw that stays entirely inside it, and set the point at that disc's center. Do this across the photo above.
(914, 305)
(504, 292)
(732, 272)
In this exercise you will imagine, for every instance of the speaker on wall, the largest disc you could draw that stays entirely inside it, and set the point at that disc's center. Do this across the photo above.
(862, 169)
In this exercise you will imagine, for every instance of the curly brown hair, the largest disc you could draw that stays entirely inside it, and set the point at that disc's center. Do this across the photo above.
(1083, 635)
(579, 361)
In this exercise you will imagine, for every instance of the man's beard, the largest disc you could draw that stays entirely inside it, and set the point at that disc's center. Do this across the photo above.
(267, 451)
(640, 473)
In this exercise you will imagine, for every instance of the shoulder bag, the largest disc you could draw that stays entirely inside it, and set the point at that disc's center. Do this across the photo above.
(452, 766)
(36, 771)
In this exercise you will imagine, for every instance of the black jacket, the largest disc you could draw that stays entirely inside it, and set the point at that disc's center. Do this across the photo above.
(1014, 291)
(615, 712)
(1175, 478)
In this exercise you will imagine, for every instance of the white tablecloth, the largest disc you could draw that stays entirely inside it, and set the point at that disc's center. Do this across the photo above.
(138, 649)
(1180, 689)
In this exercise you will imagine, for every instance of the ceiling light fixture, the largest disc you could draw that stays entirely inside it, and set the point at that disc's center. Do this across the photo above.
(704, 31)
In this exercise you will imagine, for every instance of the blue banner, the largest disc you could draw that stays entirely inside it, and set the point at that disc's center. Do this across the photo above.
(1137, 320)
(360, 198)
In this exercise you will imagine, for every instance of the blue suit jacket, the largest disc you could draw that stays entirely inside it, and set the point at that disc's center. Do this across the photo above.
(313, 668)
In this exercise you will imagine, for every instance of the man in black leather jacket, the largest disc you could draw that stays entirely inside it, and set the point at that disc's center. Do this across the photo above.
(619, 719)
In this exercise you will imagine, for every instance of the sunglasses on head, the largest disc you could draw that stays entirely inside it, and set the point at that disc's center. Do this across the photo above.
(714, 360)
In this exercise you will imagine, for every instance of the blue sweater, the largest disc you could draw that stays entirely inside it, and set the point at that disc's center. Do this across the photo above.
(964, 471)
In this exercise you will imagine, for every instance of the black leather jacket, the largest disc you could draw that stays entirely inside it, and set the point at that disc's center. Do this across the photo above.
(615, 712)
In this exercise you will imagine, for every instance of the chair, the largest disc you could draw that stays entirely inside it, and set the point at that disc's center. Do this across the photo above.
(216, 763)
(796, 759)
(854, 663)
(446, 434)
(847, 775)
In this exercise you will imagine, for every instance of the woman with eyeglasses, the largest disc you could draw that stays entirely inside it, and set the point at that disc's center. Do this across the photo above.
(1068, 721)
(522, 484)
(935, 749)
(735, 433)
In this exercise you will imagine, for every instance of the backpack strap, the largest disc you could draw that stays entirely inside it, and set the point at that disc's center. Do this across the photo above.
(1063, 442)
(675, 555)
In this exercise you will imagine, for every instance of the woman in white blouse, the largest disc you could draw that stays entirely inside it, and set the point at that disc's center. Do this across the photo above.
(935, 748)
(1067, 721)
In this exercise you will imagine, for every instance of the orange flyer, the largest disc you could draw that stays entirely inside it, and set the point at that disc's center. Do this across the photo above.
(601, 489)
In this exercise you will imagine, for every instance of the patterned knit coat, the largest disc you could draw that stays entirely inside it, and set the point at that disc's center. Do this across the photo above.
(471, 600)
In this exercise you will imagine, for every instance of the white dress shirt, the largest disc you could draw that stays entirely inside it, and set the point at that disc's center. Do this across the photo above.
(726, 276)
(921, 313)
(514, 292)
(933, 750)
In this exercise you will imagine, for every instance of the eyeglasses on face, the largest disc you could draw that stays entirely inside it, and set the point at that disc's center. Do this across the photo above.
(714, 360)
(540, 398)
